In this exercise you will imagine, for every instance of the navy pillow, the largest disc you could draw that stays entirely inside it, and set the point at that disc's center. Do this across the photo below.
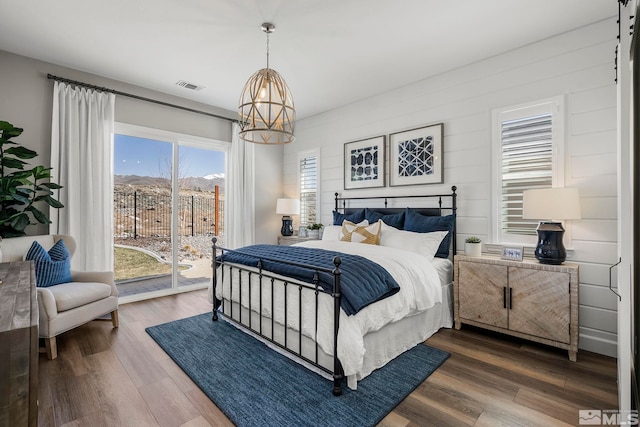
(53, 267)
(394, 220)
(355, 217)
(413, 221)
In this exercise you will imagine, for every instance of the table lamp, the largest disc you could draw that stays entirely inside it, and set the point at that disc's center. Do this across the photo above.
(287, 207)
(555, 204)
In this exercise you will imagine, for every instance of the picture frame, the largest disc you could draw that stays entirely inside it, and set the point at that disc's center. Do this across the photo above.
(364, 163)
(302, 231)
(512, 253)
(416, 156)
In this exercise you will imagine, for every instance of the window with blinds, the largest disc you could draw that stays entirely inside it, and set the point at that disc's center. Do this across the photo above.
(527, 162)
(527, 148)
(308, 181)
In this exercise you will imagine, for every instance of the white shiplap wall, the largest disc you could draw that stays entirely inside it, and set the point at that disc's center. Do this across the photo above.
(577, 65)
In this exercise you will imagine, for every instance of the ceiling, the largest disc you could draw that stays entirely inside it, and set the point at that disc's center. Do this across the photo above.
(330, 52)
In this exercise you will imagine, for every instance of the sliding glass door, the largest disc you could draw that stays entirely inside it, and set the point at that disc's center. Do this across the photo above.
(200, 206)
(168, 205)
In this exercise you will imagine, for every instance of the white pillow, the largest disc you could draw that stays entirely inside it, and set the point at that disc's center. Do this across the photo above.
(331, 232)
(334, 232)
(425, 244)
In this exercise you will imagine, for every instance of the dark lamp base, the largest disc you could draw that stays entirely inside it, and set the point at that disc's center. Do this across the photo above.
(550, 249)
(287, 226)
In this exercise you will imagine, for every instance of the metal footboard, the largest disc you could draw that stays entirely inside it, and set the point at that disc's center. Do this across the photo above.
(266, 279)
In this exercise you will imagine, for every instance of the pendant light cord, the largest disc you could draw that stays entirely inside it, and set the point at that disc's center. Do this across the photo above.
(267, 50)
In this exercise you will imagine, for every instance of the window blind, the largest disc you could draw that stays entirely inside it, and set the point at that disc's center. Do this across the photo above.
(527, 163)
(308, 189)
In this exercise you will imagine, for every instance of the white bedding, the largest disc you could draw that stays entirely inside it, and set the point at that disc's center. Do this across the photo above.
(420, 289)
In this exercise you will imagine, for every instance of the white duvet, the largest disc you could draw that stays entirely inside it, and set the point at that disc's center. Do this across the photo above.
(420, 290)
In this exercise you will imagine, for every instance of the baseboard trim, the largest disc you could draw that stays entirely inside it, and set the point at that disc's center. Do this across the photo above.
(598, 345)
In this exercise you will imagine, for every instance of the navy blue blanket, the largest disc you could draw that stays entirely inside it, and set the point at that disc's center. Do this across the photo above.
(363, 282)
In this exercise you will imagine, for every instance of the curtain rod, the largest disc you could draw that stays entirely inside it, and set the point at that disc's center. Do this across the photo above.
(141, 98)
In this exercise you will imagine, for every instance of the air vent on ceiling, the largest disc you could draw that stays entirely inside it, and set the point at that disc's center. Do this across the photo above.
(188, 85)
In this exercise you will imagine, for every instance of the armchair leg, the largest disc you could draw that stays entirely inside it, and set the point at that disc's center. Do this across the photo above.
(52, 348)
(114, 318)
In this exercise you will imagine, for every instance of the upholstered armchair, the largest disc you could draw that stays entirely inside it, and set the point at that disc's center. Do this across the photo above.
(68, 305)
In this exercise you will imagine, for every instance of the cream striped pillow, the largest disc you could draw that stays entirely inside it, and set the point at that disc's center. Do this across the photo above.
(361, 233)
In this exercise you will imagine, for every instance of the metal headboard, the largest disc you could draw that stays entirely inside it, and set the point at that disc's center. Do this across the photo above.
(449, 207)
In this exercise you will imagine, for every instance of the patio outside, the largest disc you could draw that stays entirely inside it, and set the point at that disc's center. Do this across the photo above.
(142, 241)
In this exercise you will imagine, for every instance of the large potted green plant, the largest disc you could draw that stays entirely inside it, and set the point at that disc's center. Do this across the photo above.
(22, 189)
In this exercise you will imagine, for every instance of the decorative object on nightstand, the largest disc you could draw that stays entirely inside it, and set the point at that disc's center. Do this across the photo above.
(313, 231)
(525, 299)
(512, 253)
(472, 246)
(555, 204)
(287, 207)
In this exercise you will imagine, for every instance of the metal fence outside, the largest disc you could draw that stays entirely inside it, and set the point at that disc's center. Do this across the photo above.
(141, 214)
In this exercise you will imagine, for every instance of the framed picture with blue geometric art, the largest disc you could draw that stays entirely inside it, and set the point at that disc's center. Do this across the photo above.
(415, 156)
(364, 163)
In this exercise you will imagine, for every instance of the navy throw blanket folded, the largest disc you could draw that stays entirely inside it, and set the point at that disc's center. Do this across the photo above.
(363, 282)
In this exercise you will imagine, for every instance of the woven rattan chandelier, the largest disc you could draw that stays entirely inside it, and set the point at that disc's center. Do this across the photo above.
(266, 110)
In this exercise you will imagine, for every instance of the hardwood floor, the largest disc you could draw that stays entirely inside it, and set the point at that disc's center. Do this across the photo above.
(120, 377)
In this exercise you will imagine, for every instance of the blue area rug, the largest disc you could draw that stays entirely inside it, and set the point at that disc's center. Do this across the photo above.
(256, 386)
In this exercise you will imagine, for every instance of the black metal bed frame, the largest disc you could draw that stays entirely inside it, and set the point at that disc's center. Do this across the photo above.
(335, 293)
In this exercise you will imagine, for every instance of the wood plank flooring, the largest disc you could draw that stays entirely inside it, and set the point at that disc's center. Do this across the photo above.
(121, 377)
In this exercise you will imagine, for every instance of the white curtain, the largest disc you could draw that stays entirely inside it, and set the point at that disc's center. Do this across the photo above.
(82, 161)
(240, 212)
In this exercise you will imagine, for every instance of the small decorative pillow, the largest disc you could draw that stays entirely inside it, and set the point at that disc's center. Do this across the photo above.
(361, 233)
(334, 232)
(53, 267)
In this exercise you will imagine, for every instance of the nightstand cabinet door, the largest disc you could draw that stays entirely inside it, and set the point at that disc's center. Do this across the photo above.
(541, 304)
(482, 293)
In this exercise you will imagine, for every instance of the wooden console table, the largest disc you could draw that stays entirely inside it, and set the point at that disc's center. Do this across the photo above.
(18, 345)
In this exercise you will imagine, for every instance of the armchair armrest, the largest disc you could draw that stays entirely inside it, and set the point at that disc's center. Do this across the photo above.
(46, 304)
(96, 276)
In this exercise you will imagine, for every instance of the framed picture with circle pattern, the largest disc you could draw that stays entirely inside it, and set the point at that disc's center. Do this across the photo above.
(364, 163)
(416, 156)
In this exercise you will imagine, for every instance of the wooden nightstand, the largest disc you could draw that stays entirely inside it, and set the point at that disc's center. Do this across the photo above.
(290, 240)
(526, 299)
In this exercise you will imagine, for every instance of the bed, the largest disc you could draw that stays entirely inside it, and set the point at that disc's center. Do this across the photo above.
(305, 309)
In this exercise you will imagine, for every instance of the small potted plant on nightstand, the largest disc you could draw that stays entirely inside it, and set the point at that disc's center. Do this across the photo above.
(472, 246)
(313, 231)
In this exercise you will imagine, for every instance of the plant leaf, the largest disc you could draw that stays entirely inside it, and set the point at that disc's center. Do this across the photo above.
(20, 222)
(11, 163)
(21, 152)
(40, 216)
(40, 172)
(52, 185)
(53, 202)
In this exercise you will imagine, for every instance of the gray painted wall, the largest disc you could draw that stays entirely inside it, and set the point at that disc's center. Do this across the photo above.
(26, 101)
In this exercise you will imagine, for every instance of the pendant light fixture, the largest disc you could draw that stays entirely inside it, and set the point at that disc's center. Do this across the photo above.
(266, 110)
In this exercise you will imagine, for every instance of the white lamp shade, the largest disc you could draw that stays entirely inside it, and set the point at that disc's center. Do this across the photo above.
(551, 203)
(288, 207)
